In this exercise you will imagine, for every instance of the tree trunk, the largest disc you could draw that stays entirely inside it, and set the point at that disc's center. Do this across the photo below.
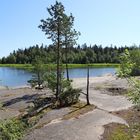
(58, 89)
(67, 70)
(39, 79)
(87, 96)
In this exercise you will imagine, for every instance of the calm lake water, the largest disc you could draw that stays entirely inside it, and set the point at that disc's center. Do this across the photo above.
(12, 77)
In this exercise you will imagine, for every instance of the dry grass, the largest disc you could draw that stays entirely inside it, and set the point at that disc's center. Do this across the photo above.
(78, 109)
(8, 95)
(42, 124)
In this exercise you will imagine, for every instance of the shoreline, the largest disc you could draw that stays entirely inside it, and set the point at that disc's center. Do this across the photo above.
(14, 87)
(29, 67)
(93, 78)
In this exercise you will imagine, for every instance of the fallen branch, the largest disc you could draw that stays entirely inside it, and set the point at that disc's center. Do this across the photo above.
(84, 93)
(40, 109)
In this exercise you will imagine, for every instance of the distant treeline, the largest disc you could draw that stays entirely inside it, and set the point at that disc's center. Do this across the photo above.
(77, 55)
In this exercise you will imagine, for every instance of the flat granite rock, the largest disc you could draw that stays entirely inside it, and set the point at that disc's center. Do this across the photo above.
(87, 127)
(8, 113)
(52, 115)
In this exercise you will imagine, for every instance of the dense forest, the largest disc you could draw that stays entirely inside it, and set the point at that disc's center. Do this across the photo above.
(77, 54)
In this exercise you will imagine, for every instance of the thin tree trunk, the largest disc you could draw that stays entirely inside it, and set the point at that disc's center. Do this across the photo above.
(39, 83)
(88, 103)
(67, 70)
(58, 65)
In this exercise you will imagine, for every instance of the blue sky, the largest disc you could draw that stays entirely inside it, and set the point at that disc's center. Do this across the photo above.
(103, 22)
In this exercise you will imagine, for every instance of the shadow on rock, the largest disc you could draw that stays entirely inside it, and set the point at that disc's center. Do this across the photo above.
(26, 98)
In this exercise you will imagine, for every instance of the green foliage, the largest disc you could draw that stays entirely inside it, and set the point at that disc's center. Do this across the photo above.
(70, 34)
(68, 97)
(29, 67)
(125, 71)
(11, 59)
(38, 69)
(134, 94)
(18, 66)
(50, 77)
(135, 58)
(126, 65)
(57, 27)
(55, 24)
(76, 54)
(12, 129)
(130, 64)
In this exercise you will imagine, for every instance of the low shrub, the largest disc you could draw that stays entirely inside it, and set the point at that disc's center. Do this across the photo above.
(12, 129)
(68, 97)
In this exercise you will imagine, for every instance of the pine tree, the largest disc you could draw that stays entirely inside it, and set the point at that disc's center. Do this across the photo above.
(70, 35)
(54, 27)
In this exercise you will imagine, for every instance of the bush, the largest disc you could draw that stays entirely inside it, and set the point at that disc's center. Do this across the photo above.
(67, 95)
(12, 129)
(135, 57)
(134, 94)
(50, 78)
(126, 65)
(70, 96)
(125, 71)
(39, 70)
